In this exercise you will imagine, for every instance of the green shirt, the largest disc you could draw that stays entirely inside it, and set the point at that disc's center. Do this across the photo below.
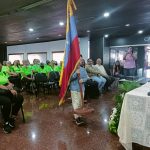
(48, 68)
(3, 78)
(26, 70)
(36, 68)
(57, 68)
(16, 69)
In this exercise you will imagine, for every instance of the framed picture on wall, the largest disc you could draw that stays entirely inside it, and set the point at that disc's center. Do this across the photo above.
(58, 56)
(13, 57)
(42, 56)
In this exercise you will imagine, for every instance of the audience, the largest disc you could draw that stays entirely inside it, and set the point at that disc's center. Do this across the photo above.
(95, 74)
(100, 67)
(9, 98)
(117, 70)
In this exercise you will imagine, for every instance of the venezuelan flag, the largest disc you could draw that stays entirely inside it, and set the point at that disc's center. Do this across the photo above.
(72, 51)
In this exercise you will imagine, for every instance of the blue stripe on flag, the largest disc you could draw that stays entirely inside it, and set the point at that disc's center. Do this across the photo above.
(73, 28)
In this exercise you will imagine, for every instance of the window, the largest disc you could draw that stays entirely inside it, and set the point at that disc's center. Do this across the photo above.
(13, 57)
(58, 56)
(41, 56)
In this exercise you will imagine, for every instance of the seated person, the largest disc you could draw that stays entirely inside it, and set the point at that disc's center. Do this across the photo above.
(27, 74)
(8, 97)
(76, 96)
(100, 67)
(117, 70)
(95, 74)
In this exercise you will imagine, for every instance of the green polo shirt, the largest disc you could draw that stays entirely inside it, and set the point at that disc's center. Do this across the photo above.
(57, 68)
(3, 78)
(16, 69)
(35, 68)
(48, 68)
(26, 70)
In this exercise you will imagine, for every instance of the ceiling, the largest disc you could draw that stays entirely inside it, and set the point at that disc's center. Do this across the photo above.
(17, 16)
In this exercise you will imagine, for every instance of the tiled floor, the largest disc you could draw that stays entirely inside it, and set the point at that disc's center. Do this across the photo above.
(49, 127)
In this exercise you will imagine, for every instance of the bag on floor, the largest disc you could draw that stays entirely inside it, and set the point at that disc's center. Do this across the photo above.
(91, 89)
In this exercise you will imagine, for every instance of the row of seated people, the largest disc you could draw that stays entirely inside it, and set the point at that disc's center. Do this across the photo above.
(10, 102)
(98, 73)
(24, 74)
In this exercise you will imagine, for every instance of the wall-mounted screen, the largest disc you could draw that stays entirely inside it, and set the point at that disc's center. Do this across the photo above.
(41, 56)
(13, 57)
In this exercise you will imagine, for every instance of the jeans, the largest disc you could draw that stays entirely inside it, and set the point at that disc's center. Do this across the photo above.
(129, 72)
(100, 80)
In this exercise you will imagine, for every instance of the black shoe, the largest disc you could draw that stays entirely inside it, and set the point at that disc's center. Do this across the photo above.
(12, 123)
(79, 122)
(7, 128)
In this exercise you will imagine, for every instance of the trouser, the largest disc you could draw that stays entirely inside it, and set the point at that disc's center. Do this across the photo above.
(129, 72)
(16, 101)
(6, 107)
(26, 82)
(109, 81)
(76, 101)
(100, 80)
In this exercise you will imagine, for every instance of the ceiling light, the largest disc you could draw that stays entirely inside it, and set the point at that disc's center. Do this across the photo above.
(127, 25)
(106, 35)
(106, 14)
(59, 35)
(37, 38)
(88, 31)
(31, 29)
(20, 40)
(148, 47)
(61, 23)
(5, 42)
(140, 31)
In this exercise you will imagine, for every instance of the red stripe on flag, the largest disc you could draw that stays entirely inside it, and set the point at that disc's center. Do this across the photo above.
(73, 58)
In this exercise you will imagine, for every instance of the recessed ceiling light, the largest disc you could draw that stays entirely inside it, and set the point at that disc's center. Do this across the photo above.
(31, 29)
(127, 25)
(140, 31)
(106, 14)
(5, 42)
(88, 31)
(59, 35)
(20, 40)
(61, 23)
(106, 35)
(37, 38)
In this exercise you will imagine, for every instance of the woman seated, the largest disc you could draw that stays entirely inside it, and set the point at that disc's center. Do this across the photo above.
(9, 97)
(117, 70)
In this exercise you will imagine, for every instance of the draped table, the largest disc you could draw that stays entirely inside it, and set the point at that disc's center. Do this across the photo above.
(134, 124)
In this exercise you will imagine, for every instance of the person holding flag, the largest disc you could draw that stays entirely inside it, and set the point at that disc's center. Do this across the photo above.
(77, 81)
(71, 69)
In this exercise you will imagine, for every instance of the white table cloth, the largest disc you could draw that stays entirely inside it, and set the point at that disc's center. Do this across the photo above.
(134, 124)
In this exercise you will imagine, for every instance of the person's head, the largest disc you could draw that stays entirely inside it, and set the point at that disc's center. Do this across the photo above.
(42, 65)
(90, 61)
(25, 62)
(4, 63)
(82, 62)
(99, 61)
(47, 62)
(130, 50)
(117, 63)
(8, 63)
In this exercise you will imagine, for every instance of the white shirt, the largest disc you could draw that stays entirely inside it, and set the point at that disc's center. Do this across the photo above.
(101, 69)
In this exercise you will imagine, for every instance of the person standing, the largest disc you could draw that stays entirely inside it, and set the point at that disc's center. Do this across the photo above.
(76, 96)
(129, 63)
